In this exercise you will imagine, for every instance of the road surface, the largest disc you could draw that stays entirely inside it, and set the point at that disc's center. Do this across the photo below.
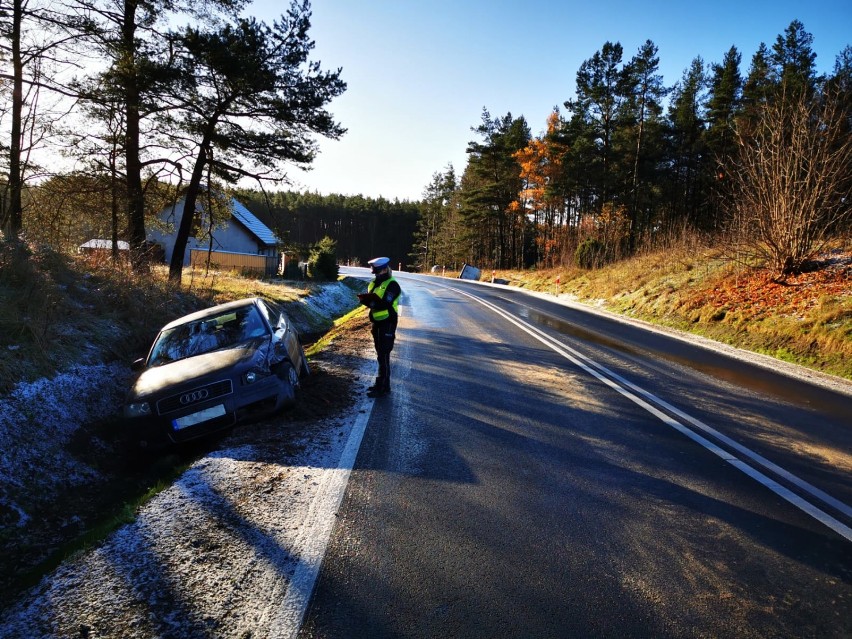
(540, 471)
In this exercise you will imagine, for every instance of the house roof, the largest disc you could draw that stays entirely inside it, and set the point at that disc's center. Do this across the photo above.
(254, 225)
(105, 245)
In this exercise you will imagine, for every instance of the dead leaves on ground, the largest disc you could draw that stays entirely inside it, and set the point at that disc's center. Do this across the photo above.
(757, 293)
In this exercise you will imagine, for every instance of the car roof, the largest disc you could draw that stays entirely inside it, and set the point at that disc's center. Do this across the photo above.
(212, 311)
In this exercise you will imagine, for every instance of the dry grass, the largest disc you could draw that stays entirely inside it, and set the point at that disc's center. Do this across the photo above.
(806, 320)
(57, 310)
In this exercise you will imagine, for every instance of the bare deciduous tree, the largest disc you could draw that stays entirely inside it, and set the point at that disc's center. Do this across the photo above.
(791, 186)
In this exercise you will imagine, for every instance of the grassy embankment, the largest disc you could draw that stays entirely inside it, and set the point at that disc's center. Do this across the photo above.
(806, 320)
(56, 311)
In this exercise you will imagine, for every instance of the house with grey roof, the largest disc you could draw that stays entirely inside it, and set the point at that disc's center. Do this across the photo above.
(239, 242)
(98, 245)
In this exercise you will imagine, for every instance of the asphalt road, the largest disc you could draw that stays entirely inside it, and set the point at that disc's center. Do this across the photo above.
(542, 472)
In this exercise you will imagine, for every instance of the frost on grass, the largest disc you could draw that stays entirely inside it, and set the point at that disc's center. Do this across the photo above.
(37, 421)
(209, 556)
(317, 311)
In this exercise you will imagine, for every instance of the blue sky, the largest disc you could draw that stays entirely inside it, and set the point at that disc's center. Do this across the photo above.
(420, 73)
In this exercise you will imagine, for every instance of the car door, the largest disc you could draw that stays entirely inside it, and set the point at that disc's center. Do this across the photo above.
(284, 333)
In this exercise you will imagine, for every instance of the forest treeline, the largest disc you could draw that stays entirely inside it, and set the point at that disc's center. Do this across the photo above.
(361, 227)
(757, 158)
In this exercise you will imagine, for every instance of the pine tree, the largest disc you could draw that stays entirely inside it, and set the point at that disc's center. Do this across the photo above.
(490, 185)
(644, 91)
(793, 60)
(599, 95)
(435, 213)
(725, 96)
(252, 103)
(687, 148)
(842, 74)
(35, 50)
(131, 38)
(757, 89)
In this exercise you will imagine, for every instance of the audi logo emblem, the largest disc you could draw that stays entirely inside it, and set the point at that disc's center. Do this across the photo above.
(194, 396)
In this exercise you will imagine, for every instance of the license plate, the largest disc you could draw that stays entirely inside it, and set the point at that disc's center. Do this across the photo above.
(201, 416)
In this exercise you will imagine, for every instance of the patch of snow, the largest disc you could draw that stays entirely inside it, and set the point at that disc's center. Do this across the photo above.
(316, 312)
(210, 556)
(331, 299)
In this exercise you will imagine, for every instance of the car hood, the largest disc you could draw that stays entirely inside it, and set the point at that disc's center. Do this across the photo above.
(184, 371)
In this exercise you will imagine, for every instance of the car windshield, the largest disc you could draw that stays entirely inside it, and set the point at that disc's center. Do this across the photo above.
(210, 334)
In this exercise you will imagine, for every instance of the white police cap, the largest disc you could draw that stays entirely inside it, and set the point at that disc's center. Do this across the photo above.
(379, 262)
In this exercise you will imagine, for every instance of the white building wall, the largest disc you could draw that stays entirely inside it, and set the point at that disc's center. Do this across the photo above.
(233, 237)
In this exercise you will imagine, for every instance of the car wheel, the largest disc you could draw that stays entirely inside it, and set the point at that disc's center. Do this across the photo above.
(292, 376)
(290, 382)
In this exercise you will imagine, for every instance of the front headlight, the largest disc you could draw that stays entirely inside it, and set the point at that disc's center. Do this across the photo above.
(138, 409)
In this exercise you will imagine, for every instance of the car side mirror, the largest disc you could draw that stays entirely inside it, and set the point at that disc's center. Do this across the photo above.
(138, 364)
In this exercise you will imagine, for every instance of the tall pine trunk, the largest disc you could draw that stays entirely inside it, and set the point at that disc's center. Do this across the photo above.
(15, 222)
(188, 214)
(135, 195)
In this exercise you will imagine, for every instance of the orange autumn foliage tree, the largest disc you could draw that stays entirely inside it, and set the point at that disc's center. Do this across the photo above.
(613, 229)
(541, 165)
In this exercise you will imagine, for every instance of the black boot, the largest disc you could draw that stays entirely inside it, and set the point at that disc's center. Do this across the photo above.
(381, 387)
(376, 384)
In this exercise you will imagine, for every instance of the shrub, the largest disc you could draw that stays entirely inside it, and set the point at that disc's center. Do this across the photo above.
(293, 271)
(791, 181)
(322, 263)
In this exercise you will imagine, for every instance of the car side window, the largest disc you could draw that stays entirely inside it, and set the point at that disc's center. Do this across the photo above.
(251, 324)
(273, 315)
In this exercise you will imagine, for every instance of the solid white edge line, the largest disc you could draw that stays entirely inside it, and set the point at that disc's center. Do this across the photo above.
(813, 491)
(577, 359)
(755, 457)
(316, 532)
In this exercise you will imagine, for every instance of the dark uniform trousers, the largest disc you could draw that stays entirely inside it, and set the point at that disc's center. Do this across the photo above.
(384, 333)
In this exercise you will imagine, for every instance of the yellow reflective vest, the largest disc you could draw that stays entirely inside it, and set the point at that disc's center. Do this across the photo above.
(383, 314)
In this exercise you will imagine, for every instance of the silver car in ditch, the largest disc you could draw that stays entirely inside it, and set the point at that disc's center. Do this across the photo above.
(212, 369)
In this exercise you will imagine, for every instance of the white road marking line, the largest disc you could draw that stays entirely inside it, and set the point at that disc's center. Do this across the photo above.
(621, 385)
(316, 532)
(755, 457)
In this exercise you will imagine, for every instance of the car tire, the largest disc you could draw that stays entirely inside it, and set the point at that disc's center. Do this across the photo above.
(289, 382)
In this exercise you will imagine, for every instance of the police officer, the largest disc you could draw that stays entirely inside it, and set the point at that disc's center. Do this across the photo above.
(382, 299)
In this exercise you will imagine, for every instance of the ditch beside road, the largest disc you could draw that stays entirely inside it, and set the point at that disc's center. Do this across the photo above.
(68, 477)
